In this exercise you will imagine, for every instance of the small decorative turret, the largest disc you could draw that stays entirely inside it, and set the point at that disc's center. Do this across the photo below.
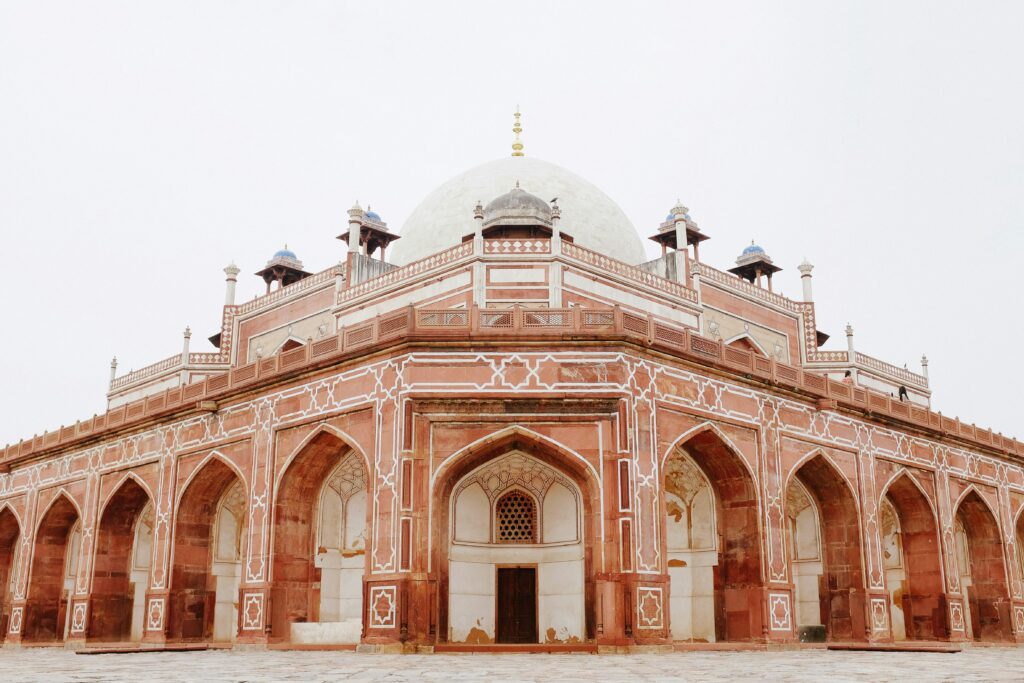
(367, 232)
(924, 365)
(754, 263)
(113, 369)
(678, 231)
(284, 268)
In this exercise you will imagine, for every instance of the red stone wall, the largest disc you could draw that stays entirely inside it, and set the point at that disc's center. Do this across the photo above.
(606, 416)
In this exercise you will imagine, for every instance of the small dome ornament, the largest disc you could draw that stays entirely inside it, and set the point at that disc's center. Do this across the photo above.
(517, 207)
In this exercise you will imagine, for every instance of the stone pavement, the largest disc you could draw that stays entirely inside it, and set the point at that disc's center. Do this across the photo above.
(59, 666)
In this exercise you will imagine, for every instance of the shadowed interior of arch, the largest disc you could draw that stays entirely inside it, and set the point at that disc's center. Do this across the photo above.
(10, 533)
(713, 543)
(840, 589)
(114, 590)
(982, 575)
(208, 535)
(913, 570)
(320, 520)
(54, 563)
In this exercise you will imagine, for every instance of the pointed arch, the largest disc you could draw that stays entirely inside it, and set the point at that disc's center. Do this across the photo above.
(295, 519)
(212, 456)
(61, 494)
(126, 476)
(746, 340)
(316, 433)
(919, 592)
(291, 342)
(818, 452)
(565, 462)
(737, 575)
(46, 606)
(904, 472)
(982, 498)
(193, 594)
(988, 595)
(113, 593)
(843, 595)
(500, 439)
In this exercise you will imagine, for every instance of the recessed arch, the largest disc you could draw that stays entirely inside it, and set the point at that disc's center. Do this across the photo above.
(201, 597)
(127, 476)
(841, 594)
(451, 560)
(114, 590)
(726, 605)
(914, 579)
(54, 566)
(496, 442)
(983, 580)
(321, 489)
(212, 457)
(321, 429)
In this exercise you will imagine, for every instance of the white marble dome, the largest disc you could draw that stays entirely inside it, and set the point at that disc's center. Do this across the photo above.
(588, 214)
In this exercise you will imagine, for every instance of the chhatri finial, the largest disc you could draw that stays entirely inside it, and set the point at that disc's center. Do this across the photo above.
(517, 128)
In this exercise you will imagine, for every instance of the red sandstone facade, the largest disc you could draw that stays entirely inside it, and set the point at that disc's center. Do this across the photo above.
(684, 459)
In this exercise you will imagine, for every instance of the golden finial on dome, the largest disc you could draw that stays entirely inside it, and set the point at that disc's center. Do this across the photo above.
(517, 128)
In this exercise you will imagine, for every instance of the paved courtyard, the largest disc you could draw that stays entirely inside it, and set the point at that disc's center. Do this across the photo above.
(58, 666)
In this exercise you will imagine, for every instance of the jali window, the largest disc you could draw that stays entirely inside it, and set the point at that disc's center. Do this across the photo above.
(516, 515)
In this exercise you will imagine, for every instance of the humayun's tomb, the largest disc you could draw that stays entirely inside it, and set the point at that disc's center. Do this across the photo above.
(506, 426)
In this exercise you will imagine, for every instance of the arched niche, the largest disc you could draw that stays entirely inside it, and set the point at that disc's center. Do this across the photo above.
(912, 563)
(54, 571)
(116, 587)
(209, 535)
(515, 521)
(320, 536)
(713, 542)
(982, 572)
(841, 592)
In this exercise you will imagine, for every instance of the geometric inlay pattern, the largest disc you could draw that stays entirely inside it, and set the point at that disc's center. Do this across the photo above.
(517, 518)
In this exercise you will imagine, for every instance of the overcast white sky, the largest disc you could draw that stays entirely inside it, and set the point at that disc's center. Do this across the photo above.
(145, 145)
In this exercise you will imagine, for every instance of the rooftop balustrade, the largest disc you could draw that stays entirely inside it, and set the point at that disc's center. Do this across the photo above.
(521, 324)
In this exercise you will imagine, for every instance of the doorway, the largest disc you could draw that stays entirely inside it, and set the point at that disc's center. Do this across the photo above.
(517, 605)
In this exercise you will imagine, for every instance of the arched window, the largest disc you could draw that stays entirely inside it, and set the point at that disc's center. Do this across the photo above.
(516, 518)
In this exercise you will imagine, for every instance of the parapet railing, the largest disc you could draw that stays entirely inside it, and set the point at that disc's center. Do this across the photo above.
(907, 376)
(704, 270)
(259, 302)
(411, 324)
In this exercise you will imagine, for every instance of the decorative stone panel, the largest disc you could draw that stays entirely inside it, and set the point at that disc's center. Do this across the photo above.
(383, 606)
(779, 612)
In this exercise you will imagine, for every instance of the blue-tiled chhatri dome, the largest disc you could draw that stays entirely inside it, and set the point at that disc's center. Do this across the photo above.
(752, 250)
(373, 216)
(285, 253)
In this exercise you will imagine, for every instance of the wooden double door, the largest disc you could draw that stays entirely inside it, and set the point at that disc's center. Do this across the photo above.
(517, 605)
